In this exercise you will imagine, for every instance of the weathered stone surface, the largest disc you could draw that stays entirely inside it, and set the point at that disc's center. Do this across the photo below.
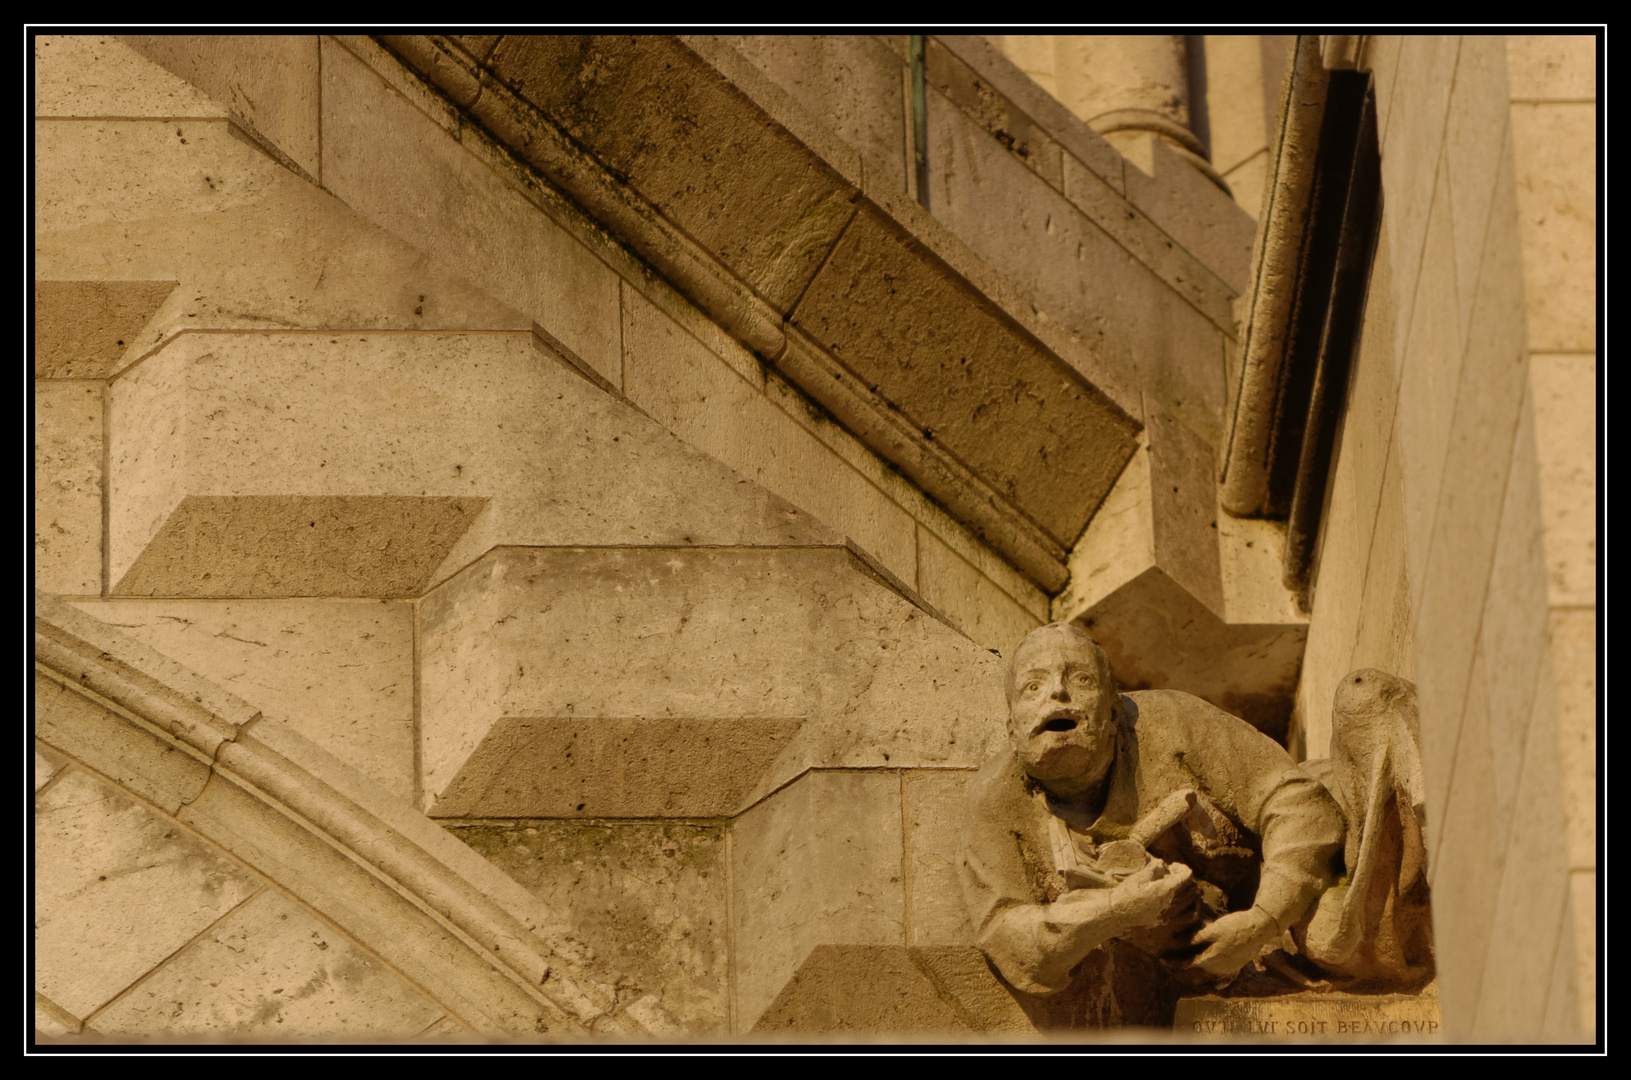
(671, 633)
(94, 75)
(68, 489)
(1196, 213)
(934, 845)
(1552, 67)
(655, 115)
(1564, 391)
(1557, 208)
(326, 266)
(650, 898)
(84, 329)
(272, 969)
(853, 82)
(487, 229)
(47, 764)
(272, 421)
(684, 386)
(892, 988)
(817, 863)
(1147, 575)
(1163, 340)
(608, 767)
(268, 80)
(132, 753)
(339, 672)
(117, 889)
(973, 603)
(293, 545)
(902, 325)
(1315, 1018)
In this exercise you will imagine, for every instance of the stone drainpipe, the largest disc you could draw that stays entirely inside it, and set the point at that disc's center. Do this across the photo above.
(1133, 89)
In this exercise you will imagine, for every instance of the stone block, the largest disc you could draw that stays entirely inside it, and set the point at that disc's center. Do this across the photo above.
(818, 863)
(85, 329)
(612, 767)
(130, 752)
(1472, 487)
(99, 75)
(1513, 632)
(669, 634)
(685, 386)
(852, 82)
(52, 1021)
(117, 889)
(649, 897)
(1552, 67)
(1466, 861)
(1315, 1018)
(1582, 948)
(253, 245)
(299, 545)
(655, 114)
(1431, 351)
(894, 990)
(1234, 102)
(973, 603)
(1534, 889)
(964, 374)
(1197, 214)
(1474, 137)
(1384, 64)
(1564, 390)
(1553, 148)
(47, 764)
(1572, 669)
(68, 444)
(372, 910)
(484, 230)
(271, 968)
(934, 846)
(1146, 581)
(258, 427)
(271, 81)
(958, 83)
(1248, 180)
(339, 672)
(1078, 265)
(1411, 142)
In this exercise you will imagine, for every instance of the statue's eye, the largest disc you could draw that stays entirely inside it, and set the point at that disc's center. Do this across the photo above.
(1032, 687)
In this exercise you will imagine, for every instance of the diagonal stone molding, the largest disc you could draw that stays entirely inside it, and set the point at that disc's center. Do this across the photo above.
(632, 129)
(458, 927)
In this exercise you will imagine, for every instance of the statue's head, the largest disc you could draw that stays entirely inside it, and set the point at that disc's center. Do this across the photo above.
(1062, 706)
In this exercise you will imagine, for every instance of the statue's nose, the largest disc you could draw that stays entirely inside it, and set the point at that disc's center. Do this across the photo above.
(1061, 692)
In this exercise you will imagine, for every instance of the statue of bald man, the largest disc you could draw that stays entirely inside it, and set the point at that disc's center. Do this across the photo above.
(1131, 847)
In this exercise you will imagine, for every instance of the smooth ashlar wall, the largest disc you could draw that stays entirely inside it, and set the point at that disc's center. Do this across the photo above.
(1459, 545)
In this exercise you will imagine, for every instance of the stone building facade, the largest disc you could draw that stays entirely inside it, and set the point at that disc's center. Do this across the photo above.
(527, 527)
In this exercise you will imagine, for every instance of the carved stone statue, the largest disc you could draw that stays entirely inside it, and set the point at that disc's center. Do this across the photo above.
(1374, 926)
(1130, 848)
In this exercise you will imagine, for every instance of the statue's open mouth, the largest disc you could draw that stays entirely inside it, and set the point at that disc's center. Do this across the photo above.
(1057, 722)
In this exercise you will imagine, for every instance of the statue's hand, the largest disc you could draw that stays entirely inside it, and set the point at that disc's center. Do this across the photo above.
(1234, 941)
(1148, 897)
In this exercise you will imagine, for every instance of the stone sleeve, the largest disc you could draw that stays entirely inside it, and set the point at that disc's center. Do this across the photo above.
(1035, 945)
(1253, 780)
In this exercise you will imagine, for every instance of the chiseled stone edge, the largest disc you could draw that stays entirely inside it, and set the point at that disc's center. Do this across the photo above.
(535, 141)
(514, 937)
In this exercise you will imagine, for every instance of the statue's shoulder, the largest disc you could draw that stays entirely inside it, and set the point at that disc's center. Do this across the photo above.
(1173, 715)
(996, 786)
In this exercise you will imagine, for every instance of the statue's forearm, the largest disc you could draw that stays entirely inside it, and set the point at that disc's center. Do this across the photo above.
(1036, 946)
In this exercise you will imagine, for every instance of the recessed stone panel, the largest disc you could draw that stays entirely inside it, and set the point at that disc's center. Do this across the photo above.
(83, 328)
